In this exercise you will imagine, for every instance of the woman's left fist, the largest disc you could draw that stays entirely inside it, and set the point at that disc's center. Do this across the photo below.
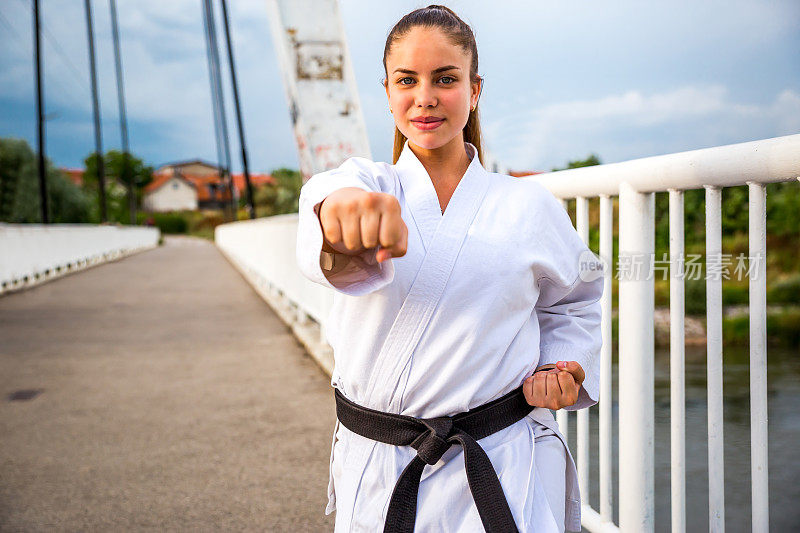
(556, 387)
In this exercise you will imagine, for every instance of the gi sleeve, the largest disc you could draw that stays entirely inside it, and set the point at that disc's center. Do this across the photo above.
(569, 328)
(354, 275)
(568, 308)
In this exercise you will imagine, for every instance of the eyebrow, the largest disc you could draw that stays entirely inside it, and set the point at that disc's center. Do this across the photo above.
(440, 69)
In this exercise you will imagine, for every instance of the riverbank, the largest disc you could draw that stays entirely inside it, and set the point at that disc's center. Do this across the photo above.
(783, 327)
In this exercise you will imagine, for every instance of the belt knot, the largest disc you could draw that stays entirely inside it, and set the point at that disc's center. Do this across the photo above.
(432, 444)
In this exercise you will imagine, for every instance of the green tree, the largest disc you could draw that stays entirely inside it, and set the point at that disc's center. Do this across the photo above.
(282, 196)
(19, 188)
(591, 160)
(119, 172)
(783, 210)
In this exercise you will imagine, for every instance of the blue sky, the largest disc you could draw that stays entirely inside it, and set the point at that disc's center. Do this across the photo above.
(622, 79)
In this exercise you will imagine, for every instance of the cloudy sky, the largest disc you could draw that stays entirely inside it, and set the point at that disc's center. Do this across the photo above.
(622, 79)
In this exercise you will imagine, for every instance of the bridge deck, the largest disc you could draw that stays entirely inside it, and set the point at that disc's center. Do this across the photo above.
(172, 398)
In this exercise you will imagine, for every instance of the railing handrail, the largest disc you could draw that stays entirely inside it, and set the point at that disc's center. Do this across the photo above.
(762, 161)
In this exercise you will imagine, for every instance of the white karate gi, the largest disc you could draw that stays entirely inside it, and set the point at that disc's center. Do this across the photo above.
(485, 293)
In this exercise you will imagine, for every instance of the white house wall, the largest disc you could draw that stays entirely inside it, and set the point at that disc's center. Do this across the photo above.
(174, 195)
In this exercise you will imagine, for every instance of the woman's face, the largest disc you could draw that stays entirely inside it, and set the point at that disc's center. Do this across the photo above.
(428, 87)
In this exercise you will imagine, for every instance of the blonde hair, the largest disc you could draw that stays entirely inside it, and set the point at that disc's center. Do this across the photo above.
(460, 34)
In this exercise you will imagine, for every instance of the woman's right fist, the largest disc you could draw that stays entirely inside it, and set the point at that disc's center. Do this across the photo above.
(354, 220)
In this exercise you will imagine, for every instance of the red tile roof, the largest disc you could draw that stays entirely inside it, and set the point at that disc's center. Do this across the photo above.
(74, 174)
(162, 178)
(200, 182)
(256, 180)
(204, 185)
(520, 173)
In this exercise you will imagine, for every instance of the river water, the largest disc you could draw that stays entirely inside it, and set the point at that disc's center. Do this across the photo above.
(784, 437)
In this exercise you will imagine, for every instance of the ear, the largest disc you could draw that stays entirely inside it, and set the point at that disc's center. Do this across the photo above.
(385, 83)
(477, 89)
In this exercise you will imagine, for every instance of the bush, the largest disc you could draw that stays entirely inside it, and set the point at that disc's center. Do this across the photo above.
(735, 294)
(695, 294)
(207, 221)
(786, 291)
(783, 209)
(783, 329)
(736, 330)
(169, 222)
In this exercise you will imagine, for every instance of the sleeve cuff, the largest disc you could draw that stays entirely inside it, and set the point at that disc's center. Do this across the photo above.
(590, 388)
(352, 275)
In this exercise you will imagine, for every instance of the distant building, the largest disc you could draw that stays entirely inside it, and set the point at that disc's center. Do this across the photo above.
(170, 192)
(193, 184)
(209, 190)
(195, 167)
(521, 173)
(212, 192)
(75, 175)
(256, 180)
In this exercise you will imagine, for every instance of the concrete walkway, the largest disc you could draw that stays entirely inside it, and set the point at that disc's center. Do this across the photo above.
(171, 398)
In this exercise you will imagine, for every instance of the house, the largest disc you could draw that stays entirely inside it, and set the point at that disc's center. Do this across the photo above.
(75, 175)
(211, 191)
(170, 192)
(193, 184)
(521, 173)
(194, 167)
(256, 180)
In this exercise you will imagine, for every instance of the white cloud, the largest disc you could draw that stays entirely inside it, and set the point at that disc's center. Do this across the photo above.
(530, 51)
(633, 124)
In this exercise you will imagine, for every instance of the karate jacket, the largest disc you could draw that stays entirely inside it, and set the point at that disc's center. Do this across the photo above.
(486, 292)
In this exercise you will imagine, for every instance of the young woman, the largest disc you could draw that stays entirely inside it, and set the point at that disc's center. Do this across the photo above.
(460, 315)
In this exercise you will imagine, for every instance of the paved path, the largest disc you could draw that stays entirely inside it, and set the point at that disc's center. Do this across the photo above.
(172, 398)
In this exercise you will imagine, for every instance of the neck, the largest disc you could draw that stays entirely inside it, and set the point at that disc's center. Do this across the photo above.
(447, 163)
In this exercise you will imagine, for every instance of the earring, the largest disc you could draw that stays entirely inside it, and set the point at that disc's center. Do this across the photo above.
(390, 110)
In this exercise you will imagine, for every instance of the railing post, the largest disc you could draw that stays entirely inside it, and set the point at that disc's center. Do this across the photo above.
(636, 388)
(716, 459)
(606, 423)
(677, 357)
(757, 270)
(582, 227)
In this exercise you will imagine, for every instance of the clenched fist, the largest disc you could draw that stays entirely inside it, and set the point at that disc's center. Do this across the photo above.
(354, 220)
(556, 387)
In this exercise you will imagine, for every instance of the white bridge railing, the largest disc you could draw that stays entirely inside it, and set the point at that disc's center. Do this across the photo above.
(264, 251)
(635, 182)
(34, 253)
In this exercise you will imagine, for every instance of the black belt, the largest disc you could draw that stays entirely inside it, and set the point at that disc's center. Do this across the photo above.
(431, 437)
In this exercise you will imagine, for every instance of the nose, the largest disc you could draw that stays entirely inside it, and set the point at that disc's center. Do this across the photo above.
(425, 95)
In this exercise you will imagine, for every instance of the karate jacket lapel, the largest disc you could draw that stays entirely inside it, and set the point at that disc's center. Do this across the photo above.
(420, 195)
(443, 236)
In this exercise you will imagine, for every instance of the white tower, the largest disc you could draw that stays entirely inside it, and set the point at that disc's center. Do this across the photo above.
(319, 81)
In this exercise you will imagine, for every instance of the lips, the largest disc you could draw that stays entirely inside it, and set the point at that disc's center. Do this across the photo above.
(427, 119)
(427, 123)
